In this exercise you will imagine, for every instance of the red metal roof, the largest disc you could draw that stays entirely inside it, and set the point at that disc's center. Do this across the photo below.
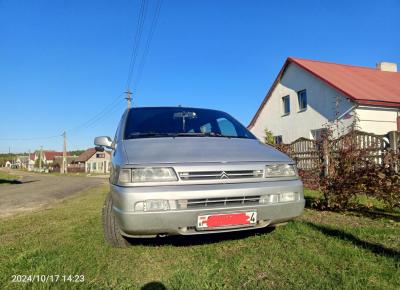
(85, 156)
(50, 155)
(363, 85)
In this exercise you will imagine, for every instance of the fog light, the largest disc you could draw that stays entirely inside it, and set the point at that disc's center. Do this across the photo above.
(271, 198)
(156, 205)
(139, 206)
(288, 196)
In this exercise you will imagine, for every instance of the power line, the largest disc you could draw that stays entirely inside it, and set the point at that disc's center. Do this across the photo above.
(105, 117)
(148, 43)
(30, 138)
(99, 115)
(138, 35)
(96, 118)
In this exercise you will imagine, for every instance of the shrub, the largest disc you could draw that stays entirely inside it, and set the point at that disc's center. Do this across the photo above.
(268, 137)
(353, 172)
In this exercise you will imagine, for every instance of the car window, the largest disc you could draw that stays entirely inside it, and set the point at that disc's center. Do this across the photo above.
(206, 128)
(178, 121)
(226, 127)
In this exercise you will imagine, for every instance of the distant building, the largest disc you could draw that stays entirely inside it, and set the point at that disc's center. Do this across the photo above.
(8, 164)
(92, 161)
(58, 160)
(308, 94)
(48, 156)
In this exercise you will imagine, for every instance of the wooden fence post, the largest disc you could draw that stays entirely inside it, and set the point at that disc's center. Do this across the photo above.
(394, 145)
(393, 140)
(325, 156)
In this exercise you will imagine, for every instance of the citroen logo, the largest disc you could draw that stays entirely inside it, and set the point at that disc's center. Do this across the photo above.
(224, 175)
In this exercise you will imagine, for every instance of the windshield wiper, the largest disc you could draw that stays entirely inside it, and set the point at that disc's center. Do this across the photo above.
(148, 135)
(180, 134)
(205, 134)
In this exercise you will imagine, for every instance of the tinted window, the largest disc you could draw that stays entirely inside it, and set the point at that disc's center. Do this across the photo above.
(286, 105)
(177, 122)
(302, 96)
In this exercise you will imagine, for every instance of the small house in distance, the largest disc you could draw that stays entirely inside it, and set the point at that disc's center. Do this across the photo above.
(92, 161)
(309, 94)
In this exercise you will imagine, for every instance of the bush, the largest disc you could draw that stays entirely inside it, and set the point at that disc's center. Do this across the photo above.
(268, 137)
(354, 172)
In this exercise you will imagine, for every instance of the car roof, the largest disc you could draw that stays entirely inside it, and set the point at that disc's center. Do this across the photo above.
(174, 107)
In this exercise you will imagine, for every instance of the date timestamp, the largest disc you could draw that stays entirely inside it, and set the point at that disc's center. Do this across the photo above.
(48, 278)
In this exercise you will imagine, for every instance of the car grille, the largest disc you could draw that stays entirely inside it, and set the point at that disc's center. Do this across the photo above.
(215, 175)
(219, 202)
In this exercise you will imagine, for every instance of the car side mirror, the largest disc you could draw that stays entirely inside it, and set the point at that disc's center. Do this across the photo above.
(104, 141)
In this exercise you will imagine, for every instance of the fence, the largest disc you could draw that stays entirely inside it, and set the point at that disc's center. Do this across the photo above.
(312, 157)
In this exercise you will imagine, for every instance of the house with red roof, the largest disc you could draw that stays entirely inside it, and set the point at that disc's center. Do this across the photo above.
(93, 161)
(307, 95)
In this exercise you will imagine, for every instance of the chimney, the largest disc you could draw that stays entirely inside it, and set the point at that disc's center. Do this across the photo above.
(387, 66)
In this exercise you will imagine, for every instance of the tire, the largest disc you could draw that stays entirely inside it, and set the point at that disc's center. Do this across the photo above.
(112, 233)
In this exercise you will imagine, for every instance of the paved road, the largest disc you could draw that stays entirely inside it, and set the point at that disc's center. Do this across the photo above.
(37, 190)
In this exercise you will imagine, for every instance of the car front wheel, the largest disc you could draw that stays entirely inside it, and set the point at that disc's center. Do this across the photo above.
(112, 233)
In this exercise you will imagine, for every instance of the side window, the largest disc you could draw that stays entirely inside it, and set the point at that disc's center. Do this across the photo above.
(318, 134)
(286, 105)
(226, 127)
(302, 97)
(206, 128)
(278, 139)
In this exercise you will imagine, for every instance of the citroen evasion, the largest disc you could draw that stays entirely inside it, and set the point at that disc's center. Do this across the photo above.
(190, 171)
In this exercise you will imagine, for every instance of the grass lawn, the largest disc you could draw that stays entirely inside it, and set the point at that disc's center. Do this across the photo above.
(6, 178)
(319, 250)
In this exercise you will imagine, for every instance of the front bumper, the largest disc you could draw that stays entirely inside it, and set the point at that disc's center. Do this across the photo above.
(183, 221)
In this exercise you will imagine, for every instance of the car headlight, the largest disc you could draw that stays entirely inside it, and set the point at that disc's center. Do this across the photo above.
(280, 170)
(147, 174)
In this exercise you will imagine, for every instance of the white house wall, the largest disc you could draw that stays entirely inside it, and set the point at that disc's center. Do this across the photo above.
(99, 162)
(321, 107)
(377, 120)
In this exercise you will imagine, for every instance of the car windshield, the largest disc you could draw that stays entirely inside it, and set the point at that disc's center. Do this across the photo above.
(182, 122)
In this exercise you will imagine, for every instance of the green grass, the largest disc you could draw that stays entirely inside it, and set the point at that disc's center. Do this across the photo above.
(319, 250)
(6, 178)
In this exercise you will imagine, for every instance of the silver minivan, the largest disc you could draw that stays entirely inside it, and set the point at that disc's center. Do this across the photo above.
(191, 171)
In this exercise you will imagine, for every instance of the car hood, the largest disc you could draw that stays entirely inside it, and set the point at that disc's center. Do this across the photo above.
(199, 149)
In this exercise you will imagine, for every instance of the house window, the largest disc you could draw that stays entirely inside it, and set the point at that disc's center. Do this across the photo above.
(278, 139)
(302, 97)
(318, 134)
(100, 155)
(94, 166)
(286, 105)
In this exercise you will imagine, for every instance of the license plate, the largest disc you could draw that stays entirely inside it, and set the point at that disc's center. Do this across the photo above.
(227, 220)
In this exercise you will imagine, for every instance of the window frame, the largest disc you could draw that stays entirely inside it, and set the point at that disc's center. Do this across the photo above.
(301, 109)
(278, 137)
(287, 97)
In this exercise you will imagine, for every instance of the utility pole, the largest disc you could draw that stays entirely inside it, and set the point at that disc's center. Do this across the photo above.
(63, 168)
(29, 160)
(40, 158)
(128, 98)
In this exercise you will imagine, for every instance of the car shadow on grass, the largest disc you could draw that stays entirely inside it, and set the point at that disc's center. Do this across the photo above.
(340, 234)
(155, 285)
(359, 210)
(10, 181)
(15, 181)
(192, 240)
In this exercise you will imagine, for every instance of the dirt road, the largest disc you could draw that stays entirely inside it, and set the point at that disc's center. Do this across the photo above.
(38, 190)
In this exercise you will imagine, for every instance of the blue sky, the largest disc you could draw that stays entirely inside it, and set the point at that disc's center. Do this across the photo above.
(64, 62)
